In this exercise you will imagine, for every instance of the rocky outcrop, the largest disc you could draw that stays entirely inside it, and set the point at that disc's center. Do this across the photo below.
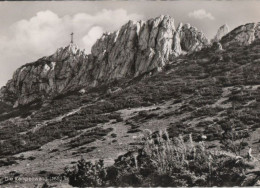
(242, 35)
(191, 39)
(222, 31)
(136, 48)
(145, 46)
(216, 46)
(46, 77)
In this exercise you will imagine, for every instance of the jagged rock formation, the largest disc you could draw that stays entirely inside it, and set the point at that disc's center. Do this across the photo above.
(136, 48)
(191, 39)
(139, 47)
(222, 31)
(242, 35)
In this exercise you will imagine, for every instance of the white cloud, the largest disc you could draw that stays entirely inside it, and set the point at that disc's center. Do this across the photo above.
(27, 40)
(201, 14)
(93, 34)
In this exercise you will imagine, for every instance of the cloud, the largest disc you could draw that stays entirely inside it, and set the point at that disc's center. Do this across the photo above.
(93, 34)
(28, 40)
(201, 14)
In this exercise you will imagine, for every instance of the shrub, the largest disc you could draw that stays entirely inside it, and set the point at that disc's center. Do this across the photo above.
(86, 174)
(7, 162)
(163, 162)
(233, 140)
(113, 135)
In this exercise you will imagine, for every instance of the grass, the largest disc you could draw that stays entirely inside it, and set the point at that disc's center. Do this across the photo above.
(89, 136)
(4, 107)
(196, 85)
(7, 162)
(163, 162)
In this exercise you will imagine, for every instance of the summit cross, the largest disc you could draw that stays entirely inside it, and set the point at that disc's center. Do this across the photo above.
(71, 38)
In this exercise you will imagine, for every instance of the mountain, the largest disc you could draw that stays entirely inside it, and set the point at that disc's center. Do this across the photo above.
(136, 48)
(193, 122)
(242, 35)
(222, 31)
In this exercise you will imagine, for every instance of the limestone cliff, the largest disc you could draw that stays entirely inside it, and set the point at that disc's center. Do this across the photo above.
(136, 48)
(242, 35)
(222, 31)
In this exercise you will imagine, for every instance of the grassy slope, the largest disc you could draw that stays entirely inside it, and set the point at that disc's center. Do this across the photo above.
(197, 94)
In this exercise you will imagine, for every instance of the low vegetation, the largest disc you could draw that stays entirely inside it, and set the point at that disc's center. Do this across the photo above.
(163, 162)
(211, 94)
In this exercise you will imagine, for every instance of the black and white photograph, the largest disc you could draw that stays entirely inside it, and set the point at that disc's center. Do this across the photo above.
(117, 93)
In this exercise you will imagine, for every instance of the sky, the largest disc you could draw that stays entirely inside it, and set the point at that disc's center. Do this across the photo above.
(30, 30)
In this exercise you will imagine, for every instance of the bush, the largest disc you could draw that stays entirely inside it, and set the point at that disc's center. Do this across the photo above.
(163, 162)
(86, 174)
(7, 162)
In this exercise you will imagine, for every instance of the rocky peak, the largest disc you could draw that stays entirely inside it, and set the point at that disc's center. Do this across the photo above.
(72, 50)
(191, 39)
(146, 45)
(136, 48)
(242, 35)
(222, 31)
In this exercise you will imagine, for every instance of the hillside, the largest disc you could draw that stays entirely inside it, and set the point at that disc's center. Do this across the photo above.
(209, 95)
